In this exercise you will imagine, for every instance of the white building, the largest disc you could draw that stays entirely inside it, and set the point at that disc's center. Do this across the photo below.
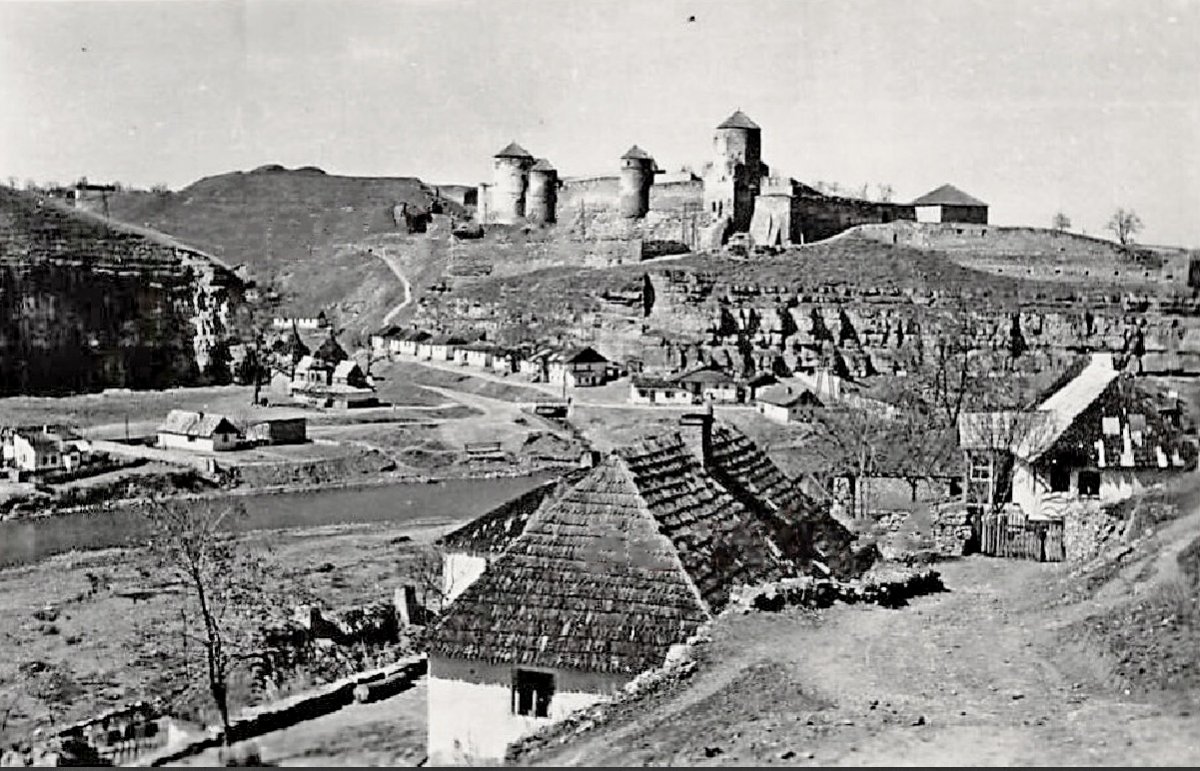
(603, 581)
(186, 430)
(652, 390)
(582, 367)
(1101, 437)
(787, 403)
(43, 448)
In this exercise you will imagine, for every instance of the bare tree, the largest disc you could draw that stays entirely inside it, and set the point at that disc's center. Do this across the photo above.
(223, 588)
(1125, 224)
(1061, 222)
(885, 192)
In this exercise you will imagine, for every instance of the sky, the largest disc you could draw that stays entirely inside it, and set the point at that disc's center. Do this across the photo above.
(1035, 106)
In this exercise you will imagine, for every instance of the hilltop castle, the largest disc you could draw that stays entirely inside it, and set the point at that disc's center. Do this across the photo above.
(734, 193)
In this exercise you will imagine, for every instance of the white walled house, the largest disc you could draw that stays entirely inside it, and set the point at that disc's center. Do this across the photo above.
(604, 579)
(580, 368)
(786, 403)
(186, 430)
(652, 390)
(1101, 438)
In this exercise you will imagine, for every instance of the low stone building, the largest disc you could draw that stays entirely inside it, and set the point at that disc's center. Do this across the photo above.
(278, 431)
(949, 204)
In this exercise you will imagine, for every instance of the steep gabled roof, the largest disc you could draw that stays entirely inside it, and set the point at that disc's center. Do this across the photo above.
(496, 530)
(542, 165)
(739, 120)
(621, 566)
(514, 150)
(947, 195)
(331, 351)
(198, 424)
(585, 355)
(1068, 403)
(799, 526)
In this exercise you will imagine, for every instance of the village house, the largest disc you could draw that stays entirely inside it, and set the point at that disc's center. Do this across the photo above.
(578, 368)
(711, 384)
(407, 344)
(949, 204)
(334, 382)
(443, 347)
(538, 634)
(44, 448)
(187, 430)
(505, 361)
(787, 403)
(478, 355)
(1101, 437)
(644, 389)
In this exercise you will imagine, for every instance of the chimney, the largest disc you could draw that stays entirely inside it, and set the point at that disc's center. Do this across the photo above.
(697, 434)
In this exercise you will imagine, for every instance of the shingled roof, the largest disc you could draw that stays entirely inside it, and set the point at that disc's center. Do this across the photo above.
(495, 531)
(947, 195)
(800, 527)
(624, 564)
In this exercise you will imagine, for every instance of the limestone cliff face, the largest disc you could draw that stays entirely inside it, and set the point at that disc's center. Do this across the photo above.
(86, 304)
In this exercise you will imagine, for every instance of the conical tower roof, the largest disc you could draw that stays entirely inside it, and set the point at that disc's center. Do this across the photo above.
(513, 150)
(638, 154)
(739, 120)
(542, 165)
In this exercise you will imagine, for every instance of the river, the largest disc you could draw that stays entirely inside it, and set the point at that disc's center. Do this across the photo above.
(26, 541)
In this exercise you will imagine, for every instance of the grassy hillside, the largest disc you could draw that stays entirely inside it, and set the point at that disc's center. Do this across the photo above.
(302, 228)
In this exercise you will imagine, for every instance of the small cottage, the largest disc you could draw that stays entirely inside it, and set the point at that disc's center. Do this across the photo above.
(45, 448)
(605, 576)
(787, 403)
(655, 390)
(1102, 436)
(579, 368)
(951, 205)
(187, 430)
(478, 355)
(710, 384)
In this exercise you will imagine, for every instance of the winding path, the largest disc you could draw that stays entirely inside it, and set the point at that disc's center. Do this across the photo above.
(394, 265)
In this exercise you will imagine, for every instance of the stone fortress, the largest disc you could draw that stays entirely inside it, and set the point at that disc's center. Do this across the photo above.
(735, 193)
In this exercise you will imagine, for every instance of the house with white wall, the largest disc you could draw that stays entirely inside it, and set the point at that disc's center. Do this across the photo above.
(187, 430)
(606, 576)
(1102, 437)
(645, 389)
(787, 402)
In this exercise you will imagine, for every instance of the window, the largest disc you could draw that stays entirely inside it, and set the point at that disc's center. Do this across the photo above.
(1060, 479)
(532, 692)
(1089, 483)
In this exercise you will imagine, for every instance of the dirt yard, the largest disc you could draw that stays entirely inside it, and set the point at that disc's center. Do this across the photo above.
(993, 672)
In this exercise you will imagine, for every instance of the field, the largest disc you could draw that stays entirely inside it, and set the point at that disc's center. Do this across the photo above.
(108, 618)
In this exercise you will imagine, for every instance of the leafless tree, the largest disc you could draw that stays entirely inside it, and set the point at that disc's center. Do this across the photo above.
(1125, 224)
(885, 192)
(224, 588)
(1061, 222)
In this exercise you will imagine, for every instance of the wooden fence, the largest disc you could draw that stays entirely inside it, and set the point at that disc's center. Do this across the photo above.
(1040, 540)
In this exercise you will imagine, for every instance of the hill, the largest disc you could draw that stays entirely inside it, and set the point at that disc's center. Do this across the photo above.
(301, 229)
(87, 304)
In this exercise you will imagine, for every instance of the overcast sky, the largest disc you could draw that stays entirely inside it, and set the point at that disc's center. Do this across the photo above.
(1031, 105)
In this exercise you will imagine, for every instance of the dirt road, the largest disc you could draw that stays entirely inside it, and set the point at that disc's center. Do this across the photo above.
(976, 675)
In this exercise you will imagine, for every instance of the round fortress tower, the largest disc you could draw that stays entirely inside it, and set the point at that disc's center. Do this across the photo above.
(541, 202)
(509, 184)
(739, 139)
(637, 175)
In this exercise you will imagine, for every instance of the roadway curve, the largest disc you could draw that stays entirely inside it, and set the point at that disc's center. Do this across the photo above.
(394, 265)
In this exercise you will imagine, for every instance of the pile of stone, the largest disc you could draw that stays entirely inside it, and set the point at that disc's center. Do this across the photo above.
(889, 587)
(952, 530)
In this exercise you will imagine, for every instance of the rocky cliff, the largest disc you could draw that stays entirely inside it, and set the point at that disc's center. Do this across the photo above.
(88, 304)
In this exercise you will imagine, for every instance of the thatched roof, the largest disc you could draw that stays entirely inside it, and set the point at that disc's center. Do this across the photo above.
(606, 577)
(198, 424)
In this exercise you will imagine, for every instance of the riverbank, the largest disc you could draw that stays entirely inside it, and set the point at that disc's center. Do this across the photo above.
(105, 618)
